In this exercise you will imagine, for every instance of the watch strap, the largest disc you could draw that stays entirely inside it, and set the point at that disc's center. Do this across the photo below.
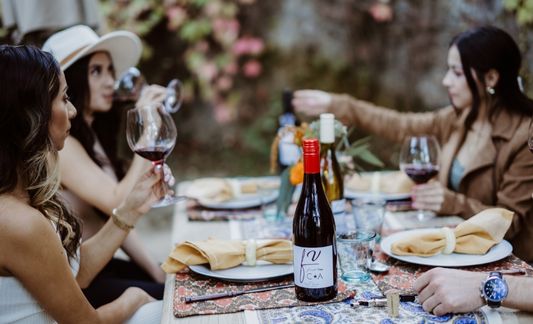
(495, 274)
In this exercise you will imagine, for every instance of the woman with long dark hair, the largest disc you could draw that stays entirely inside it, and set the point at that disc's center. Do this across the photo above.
(483, 133)
(42, 262)
(92, 174)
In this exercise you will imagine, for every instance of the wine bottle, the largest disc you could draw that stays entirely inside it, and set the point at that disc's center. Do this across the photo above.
(315, 250)
(330, 171)
(288, 151)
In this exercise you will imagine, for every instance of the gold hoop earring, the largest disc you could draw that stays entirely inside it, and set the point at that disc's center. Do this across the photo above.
(490, 90)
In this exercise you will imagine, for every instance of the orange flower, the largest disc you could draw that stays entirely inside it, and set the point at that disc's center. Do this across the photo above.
(297, 173)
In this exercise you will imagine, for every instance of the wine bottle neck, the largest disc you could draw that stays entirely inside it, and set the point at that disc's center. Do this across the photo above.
(327, 128)
(312, 164)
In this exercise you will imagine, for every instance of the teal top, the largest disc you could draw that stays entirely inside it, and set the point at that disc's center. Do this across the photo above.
(456, 174)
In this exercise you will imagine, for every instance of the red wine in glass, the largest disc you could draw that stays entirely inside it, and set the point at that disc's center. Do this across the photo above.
(152, 134)
(421, 173)
(153, 153)
(419, 159)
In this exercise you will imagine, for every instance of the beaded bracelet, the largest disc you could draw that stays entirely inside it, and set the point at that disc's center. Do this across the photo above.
(119, 222)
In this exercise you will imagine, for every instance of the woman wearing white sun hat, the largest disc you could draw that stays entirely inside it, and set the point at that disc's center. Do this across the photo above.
(92, 175)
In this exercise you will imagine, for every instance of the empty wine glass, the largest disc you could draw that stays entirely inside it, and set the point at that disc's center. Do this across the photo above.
(131, 83)
(152, 134)
(419, 159)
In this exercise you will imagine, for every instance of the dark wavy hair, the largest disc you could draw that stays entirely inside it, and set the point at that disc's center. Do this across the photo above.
(29, 79)
(105, 125)
(482, 49)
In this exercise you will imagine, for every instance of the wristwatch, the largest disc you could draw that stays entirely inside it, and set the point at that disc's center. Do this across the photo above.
(494, 289)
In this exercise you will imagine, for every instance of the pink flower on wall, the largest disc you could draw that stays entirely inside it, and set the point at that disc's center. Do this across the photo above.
(224, 83)
(381, 12)
(207, 71)
(252, 69)
(248, 45)
(222, 112)
(176, 16)
(226, 30)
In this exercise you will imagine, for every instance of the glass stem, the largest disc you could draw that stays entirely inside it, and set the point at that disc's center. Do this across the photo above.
(163, 186)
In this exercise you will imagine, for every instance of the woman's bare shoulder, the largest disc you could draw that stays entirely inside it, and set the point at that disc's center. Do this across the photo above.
(72, 146)
(19, 221)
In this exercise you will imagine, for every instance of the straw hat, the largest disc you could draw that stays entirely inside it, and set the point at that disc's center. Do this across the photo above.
(75, 42)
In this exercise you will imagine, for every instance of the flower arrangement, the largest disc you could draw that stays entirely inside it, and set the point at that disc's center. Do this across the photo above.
(349, 155)
(215, 50)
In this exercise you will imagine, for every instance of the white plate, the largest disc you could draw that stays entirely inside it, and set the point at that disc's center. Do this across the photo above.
(261, 272)
(350, 194)
(241, 202)
(497, 252)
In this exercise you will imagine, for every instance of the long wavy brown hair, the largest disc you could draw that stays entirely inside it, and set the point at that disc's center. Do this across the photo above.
(29, 79)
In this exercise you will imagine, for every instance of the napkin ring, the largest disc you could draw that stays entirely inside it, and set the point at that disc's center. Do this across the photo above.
(119, 222)
(449, 235)
(251, 247)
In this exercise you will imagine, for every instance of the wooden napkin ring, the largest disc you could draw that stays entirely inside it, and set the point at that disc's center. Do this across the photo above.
(119, 222)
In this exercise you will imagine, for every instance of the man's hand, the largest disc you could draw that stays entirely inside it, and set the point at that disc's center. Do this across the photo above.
(442, 291)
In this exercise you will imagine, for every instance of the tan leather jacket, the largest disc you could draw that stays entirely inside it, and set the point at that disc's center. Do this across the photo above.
(502, 175)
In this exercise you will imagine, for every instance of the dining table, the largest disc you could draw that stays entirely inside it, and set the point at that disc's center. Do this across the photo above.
(253, 225)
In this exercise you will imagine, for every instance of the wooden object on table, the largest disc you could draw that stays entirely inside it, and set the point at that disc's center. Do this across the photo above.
(393, 302)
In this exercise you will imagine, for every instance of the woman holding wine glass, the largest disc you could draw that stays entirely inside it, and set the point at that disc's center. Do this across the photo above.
(44, 263)
(484, 159)
(92, 175)
(419, 159)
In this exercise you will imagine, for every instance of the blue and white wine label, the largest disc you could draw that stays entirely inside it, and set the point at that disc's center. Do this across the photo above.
(313, 266)
(288, 151)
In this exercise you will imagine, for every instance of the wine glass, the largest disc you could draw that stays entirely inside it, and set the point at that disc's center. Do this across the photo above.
(419, 159)
(152, 134)
(131, 83)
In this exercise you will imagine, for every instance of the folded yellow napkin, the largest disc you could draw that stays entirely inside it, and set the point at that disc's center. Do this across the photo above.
(383, 182)
(213, 189)
(224, 189)
(473, 236)
(223, 254)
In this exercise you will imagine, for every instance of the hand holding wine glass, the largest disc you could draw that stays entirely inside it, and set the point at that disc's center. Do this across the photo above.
(132, 83)
(419, 159)
(152, 134)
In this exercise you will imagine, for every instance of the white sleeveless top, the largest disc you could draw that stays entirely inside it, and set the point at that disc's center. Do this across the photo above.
(18, 306)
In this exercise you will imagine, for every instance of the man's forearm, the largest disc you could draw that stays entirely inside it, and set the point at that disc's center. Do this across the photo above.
(520, 293)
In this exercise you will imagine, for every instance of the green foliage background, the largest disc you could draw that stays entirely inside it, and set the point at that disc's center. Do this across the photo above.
(336, 45)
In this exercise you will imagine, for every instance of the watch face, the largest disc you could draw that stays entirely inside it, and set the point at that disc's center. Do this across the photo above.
(495, 289)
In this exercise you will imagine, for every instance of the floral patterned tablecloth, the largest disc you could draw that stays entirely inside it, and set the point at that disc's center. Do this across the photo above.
(190, 284)
(400, 276)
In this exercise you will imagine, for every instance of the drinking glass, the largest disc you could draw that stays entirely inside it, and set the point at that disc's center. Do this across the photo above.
(353, 248)
(419, 159)
(129, 87)
(152, 134)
